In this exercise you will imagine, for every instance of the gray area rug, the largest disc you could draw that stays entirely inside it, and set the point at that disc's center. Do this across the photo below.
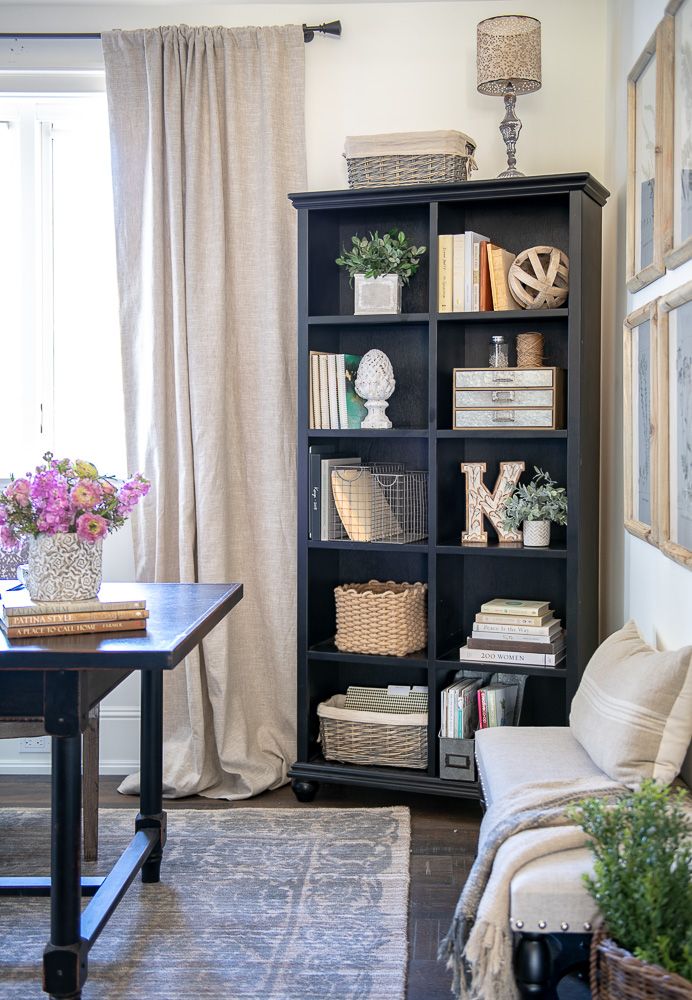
(272, 904)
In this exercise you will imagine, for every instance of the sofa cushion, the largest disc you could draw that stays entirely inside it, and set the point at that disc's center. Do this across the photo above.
(632, 712)
(508, 756)
(548, 895)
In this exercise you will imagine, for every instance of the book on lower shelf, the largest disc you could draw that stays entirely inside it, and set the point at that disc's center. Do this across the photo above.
(523, 633)
(20, 617)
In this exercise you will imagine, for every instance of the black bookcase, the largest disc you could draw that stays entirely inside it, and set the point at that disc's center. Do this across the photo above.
(424, 346)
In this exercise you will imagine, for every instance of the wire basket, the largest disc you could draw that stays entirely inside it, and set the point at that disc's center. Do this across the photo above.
(371, 504)
(381, 619)
(359, 737)
(617, 975)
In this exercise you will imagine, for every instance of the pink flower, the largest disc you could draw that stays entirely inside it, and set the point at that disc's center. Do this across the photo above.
(18, 490)
(91, 527)
(7, 539)
(86, 494)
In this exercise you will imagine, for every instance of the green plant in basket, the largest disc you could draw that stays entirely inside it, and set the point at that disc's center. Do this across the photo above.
(642, 879)
(379, 255)
(540, 500)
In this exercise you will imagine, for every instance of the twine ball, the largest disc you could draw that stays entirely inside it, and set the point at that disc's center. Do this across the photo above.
(539, 278)
(529, 350)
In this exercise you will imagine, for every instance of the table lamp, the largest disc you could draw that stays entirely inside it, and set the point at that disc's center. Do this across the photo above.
(508, 58)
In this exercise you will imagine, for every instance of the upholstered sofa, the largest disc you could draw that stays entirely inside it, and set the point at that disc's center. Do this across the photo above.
(551, 914)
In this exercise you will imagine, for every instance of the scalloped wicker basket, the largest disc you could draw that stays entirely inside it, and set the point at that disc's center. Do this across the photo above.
(382, 619)
(617, 975)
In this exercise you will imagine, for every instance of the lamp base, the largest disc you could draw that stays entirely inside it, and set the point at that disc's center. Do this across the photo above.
(510, 127)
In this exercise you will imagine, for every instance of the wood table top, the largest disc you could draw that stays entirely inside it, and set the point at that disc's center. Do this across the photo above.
(180, 616)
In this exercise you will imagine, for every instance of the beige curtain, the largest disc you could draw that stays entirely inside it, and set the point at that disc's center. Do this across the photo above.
(207, 135)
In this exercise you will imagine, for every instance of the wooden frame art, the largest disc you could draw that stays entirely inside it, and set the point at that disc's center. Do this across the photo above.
(675, 418)
(649, 158)
(640, 416)
(681, 167)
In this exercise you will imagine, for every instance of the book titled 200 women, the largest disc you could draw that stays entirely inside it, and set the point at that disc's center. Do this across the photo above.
(504, 656)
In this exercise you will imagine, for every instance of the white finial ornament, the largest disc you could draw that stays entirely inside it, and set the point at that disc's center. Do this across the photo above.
(375, 383)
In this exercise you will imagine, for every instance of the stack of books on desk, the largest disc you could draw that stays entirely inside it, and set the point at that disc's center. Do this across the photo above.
(525, 633)
(20, 617)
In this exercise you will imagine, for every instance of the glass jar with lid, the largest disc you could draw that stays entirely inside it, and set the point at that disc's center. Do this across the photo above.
(499, 352)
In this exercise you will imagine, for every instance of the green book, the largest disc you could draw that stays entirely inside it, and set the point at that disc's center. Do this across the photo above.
(355, 406)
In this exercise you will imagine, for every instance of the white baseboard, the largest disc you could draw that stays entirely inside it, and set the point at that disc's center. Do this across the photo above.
(119, 739)
(115, 767)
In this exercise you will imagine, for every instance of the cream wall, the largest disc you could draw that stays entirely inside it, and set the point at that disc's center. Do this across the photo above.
(638, 580)
(397, 67)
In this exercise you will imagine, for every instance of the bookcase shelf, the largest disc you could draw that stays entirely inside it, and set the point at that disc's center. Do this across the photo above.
(553, 551)
(394, 432)
(424, 346)
(504, 316)
(397, 319)
(526, 432)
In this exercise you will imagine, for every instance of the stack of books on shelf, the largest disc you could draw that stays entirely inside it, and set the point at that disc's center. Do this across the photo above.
(20, 617)
(334, 402)
(525, 633)
(471, 703)
(459, 709)
(472, 274)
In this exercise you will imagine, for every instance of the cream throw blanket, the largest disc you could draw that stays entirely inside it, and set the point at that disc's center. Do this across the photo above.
(479, 942)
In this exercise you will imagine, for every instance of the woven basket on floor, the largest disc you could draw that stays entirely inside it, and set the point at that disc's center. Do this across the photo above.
(409, 158)
(356, 737)
(617, 975)
(383, 619)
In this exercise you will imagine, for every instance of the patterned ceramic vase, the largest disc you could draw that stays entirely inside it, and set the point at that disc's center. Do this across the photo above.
(62, 568)
(536, 533)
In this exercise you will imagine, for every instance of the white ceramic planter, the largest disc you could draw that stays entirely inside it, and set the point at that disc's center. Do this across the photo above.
(536, 533)
(377, 295)
(62, 568)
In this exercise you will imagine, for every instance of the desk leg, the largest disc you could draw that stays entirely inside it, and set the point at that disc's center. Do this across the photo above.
(65, 956)
(151, 814)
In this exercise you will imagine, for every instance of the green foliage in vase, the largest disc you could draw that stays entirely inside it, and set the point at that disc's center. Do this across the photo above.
(540, 500)
(378, 255)
(642, 880)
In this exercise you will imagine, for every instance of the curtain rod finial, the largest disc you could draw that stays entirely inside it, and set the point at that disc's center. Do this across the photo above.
(331, 28)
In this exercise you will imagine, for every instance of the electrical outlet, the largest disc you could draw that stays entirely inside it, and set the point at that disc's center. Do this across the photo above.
(35, 744)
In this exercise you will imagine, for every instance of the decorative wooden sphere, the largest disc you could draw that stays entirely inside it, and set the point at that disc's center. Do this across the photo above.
(539, 278)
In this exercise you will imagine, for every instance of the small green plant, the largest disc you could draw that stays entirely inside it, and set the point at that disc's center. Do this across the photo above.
(540, 500)
(642, 880)
(378, 255)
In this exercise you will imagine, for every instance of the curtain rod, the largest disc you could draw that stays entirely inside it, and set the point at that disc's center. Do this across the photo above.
(332, 28)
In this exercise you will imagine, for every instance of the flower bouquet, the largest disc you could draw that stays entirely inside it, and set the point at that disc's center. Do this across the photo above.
(65, 509)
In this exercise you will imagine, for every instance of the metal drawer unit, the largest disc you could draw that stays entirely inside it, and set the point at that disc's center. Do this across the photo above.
(487, 398)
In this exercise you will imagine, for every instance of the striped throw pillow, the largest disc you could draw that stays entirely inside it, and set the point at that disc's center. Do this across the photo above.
(632, 712)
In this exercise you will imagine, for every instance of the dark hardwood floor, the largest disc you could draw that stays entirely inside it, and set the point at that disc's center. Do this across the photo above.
(444, 833)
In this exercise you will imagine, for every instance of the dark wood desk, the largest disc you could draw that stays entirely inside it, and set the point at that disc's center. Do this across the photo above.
(59, 680)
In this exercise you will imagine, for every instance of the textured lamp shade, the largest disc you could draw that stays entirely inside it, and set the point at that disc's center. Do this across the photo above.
(509, 50)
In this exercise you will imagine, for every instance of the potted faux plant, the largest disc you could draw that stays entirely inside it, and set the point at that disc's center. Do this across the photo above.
(65, 508)
(642, 846)
(535, 506)
(380, 265)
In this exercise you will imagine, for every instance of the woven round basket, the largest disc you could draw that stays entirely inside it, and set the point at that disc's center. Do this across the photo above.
(383, 619)
(617, 975)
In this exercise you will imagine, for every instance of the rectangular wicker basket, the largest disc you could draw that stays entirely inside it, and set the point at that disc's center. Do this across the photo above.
(381, 619)
(356, 737)
(400, 158)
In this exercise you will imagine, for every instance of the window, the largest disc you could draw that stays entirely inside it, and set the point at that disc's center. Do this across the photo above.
(60, 377)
